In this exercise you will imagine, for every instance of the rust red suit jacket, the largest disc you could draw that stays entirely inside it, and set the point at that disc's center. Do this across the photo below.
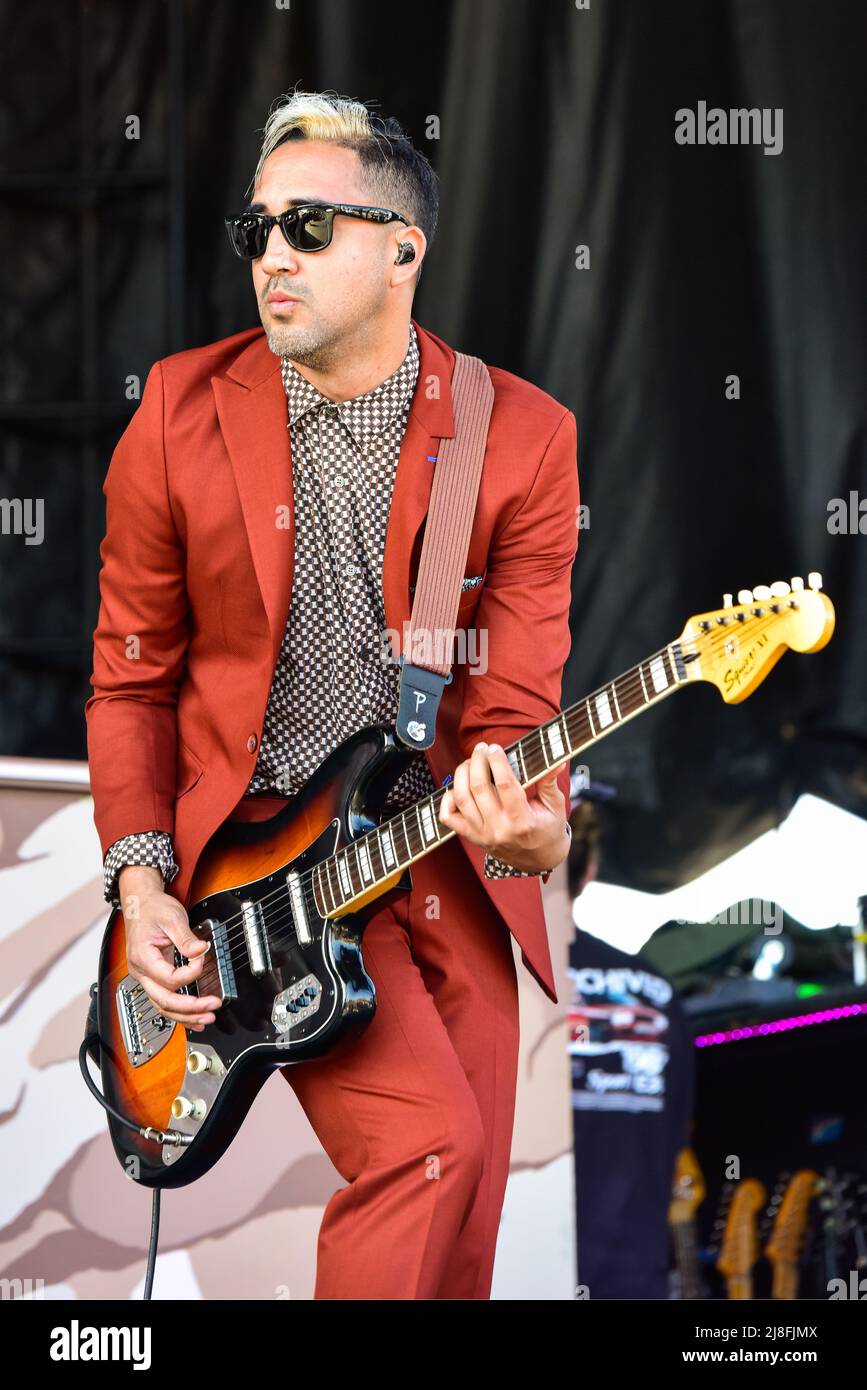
(197, 578)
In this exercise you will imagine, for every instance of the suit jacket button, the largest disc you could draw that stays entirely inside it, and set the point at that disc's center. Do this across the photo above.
(252, 743)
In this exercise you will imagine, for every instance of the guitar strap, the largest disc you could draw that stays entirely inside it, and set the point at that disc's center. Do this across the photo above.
(425, 661)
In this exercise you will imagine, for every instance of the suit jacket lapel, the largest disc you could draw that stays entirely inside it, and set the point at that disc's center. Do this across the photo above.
(253, 416)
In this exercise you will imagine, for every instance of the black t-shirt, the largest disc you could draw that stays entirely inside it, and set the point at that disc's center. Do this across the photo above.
(632, 1079)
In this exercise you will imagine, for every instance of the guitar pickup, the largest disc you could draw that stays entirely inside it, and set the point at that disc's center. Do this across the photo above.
(256, 938)
(298, 907)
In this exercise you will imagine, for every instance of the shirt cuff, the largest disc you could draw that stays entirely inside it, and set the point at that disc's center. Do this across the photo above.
(496, 868)
(150, 847)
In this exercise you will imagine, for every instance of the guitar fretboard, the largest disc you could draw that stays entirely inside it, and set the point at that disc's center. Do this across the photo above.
(686, 1258)
(392, 846)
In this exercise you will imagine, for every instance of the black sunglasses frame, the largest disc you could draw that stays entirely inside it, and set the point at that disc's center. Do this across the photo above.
(289, 224)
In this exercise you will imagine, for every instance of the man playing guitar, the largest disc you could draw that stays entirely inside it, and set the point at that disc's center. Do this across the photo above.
(265, 510)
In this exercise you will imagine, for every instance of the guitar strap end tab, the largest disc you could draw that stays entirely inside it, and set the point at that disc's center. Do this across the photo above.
(420, 694)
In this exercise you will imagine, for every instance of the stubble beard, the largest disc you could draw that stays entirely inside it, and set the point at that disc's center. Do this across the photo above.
(311, 347)
(318, 345)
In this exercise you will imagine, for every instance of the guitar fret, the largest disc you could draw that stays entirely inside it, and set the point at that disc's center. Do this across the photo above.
(603, 710)
(584, 734)
(537, 750)
(657, 674)
(428, 827)
(671, 663)
(405, 828)
(331, 893)
(543, 750)
(387, 847)
(318, 895)
(628, 697)
(565, 727)
(614, 697)
(643, 686)
(354, 869)
(376, 854)
(343, 874)
(590, 717)
(364, 861)
(555, 741)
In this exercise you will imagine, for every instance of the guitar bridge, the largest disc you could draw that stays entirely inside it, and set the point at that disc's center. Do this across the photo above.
(144, 1031)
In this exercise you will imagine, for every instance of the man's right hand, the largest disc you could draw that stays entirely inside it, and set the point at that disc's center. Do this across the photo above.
(156, 923)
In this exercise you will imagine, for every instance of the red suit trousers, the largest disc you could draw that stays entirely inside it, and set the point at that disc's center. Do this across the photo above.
(416, 1113)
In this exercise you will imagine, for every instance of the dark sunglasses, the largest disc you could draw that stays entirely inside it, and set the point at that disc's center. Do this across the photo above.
(308, 227)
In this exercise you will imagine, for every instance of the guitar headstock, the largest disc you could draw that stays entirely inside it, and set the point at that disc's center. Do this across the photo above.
(736, 646)
(790, 1226)
(740, 1242)
(688, 1190)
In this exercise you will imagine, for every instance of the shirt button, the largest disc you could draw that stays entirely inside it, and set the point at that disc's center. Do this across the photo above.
(252, 743)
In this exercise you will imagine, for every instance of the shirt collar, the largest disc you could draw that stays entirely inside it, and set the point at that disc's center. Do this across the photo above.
(367, 415)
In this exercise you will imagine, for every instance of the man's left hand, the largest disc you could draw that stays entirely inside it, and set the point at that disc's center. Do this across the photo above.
(487, 804)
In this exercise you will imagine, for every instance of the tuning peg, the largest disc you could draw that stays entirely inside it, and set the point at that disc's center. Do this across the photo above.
(797, 584)
(745, 595)
(727, 601)
(814, 579)
(780, 589)
(762, 593)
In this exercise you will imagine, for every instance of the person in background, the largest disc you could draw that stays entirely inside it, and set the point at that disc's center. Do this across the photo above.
(632, 1082)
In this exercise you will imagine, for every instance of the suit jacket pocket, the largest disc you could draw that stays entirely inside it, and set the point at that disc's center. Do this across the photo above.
(190, 769)
(472, 586)
(472, 589)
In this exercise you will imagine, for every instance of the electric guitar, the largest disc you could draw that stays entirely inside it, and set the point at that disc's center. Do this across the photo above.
(282, 903)
(688, 1193)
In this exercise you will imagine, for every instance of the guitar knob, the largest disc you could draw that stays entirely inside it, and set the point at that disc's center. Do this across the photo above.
(198, 1062)
(797, 584)
(727, 600)
(183, 1108)
(745, 595)
(780, 589)
(762, 593)
(814, 579)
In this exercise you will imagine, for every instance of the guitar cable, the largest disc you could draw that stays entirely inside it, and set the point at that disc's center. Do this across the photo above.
(92, 1044)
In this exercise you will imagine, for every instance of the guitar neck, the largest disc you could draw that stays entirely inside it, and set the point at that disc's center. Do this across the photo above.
(353, 873)
(686, 1259)
(785, 1281)
(740, 1286)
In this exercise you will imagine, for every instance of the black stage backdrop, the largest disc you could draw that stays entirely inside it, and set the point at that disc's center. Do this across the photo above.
(551, 127)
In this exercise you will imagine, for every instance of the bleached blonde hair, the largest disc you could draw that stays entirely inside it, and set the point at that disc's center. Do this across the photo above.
(394, 173)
